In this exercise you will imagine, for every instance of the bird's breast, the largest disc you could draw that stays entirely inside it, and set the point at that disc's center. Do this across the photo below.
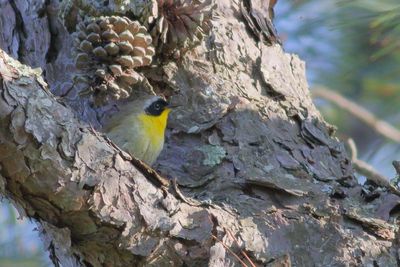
(154, 128)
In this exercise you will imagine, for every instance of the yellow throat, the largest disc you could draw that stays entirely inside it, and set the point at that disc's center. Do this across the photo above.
(154, 126)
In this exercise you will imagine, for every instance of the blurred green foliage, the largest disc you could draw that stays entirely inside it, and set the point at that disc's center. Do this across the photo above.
(368, 65)
(352, 46)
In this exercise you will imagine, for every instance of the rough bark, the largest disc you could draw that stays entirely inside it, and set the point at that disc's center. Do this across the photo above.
(246, 145)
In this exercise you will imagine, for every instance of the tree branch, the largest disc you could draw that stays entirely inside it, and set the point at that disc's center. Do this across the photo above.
(396, 165)
(370, 173)
(381, 127)
(80, 188)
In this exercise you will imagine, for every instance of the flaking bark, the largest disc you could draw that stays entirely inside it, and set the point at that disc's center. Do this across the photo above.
(248, 149)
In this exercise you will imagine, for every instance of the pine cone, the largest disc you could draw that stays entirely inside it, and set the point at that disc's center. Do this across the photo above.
(110, 49)
(181, 24)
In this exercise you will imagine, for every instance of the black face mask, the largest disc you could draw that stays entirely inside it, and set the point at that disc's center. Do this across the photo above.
(157, 107)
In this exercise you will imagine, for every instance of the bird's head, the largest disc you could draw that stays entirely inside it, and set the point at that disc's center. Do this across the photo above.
(156, 106)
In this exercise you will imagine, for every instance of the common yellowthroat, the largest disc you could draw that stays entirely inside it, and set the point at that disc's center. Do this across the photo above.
(139, 128)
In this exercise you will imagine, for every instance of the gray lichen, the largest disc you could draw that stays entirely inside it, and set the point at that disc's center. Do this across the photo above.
(213, 154)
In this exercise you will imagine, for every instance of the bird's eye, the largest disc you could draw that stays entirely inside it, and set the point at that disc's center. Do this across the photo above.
(156, 108)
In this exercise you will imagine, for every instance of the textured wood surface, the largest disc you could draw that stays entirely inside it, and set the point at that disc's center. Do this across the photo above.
(245, 144)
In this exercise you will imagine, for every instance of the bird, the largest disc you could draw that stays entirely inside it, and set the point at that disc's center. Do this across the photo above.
(139, 127)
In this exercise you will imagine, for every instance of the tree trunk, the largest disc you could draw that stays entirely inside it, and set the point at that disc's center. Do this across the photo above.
(252, 158)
